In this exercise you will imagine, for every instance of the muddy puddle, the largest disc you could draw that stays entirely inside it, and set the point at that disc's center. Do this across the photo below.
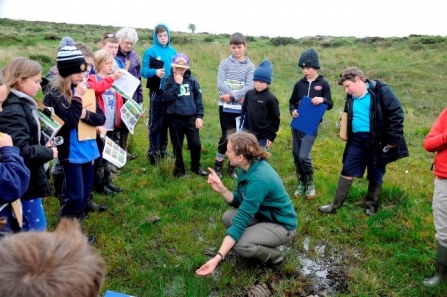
(325, 269)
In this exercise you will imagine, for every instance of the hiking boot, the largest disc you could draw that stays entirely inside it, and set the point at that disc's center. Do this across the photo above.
(92, 206)
(179, 172)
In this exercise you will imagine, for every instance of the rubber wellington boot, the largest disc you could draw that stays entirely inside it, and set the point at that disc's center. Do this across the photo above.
(232, 171)
(441, 268)
(269, 255)
(218, 166)
(301, 188)
(310, 187)
(372, 199)
(339, 198)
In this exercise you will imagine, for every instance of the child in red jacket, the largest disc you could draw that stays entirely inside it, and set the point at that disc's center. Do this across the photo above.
(111, 102)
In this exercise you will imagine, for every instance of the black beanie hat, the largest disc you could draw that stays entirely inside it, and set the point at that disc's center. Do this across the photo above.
(264, 72)
(309, 59)
(70, 60)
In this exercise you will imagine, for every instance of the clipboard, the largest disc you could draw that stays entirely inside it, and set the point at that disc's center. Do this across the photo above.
(309, 116)
(86, 131)
(46, 117)
(153, 82)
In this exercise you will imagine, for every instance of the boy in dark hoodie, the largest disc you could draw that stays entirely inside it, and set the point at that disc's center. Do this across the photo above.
(184, 114)
(318, 90)
(155, 67)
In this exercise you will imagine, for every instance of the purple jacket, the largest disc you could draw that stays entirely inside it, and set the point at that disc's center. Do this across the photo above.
(134, 69)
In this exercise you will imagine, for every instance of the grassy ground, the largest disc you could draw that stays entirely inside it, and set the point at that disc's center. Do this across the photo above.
(385, 255)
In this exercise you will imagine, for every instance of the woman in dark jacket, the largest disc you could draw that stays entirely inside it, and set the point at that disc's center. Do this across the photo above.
(19, 119)
(375, 136)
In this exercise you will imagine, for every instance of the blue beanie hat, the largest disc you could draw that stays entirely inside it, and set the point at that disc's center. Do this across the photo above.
(264, 72)
(309, 59)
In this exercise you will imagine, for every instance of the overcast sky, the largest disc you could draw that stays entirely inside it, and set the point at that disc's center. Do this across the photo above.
(293, 18)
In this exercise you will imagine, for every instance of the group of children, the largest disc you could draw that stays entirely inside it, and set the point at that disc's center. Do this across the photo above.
(375, 125)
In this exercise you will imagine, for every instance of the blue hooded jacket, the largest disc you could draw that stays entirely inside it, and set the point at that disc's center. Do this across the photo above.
(158, 52)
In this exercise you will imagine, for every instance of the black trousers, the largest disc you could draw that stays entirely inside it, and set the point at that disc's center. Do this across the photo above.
(179, 127)
(227, 122)
(157, 125)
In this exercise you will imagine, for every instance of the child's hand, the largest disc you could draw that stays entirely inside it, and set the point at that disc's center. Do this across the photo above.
(199, 123)
(83, 113)
(5, 140)
(295, 113)
(116, 75)
(178, 78)
(226, 98)
(80, 89)
(101, 130)
(55, 152)
(160, 72)
(317, 100)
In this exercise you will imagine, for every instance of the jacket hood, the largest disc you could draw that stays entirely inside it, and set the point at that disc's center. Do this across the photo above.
(319, 77)
(22, 97)
(156, 39)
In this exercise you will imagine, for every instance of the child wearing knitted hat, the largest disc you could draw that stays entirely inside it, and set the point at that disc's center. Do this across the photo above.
(76, 156)
(314, 86)
(260, 110)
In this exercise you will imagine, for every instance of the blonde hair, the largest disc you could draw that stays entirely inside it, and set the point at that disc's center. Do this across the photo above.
(246, 144)
(61, 86)
(101, 57)
(59, 263)
(18, 69)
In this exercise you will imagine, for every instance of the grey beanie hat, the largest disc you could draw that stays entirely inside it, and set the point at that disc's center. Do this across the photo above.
(309, 59)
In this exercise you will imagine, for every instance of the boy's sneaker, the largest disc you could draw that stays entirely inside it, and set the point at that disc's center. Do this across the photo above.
(200, 172)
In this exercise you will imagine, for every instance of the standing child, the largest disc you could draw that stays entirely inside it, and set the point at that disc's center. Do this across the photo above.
(375, 137)
(19, 119)
(436, 142)
(110, 102)
(161, 53)
(260, 110)
(14, 175)
(234, 79)
(318, 90)
(184, 114)
(110, 43)
(77, 157)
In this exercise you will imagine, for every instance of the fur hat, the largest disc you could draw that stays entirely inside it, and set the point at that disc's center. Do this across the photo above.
(70, 60)
(180, 60)
(309, 59)
(264, 72)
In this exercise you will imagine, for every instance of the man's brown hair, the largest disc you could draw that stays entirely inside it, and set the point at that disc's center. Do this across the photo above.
(50, 264)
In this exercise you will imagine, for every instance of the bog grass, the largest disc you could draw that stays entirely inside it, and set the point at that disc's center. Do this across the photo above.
(386, 255)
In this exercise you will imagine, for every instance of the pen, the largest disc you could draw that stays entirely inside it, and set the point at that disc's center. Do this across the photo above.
(87, 105)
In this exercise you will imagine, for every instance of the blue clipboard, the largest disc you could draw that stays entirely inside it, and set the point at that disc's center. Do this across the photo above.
(309, 116)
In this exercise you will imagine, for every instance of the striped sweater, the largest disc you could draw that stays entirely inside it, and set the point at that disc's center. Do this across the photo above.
(231, 70)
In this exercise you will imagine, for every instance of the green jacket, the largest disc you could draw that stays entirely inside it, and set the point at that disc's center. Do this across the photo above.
(260, 194)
